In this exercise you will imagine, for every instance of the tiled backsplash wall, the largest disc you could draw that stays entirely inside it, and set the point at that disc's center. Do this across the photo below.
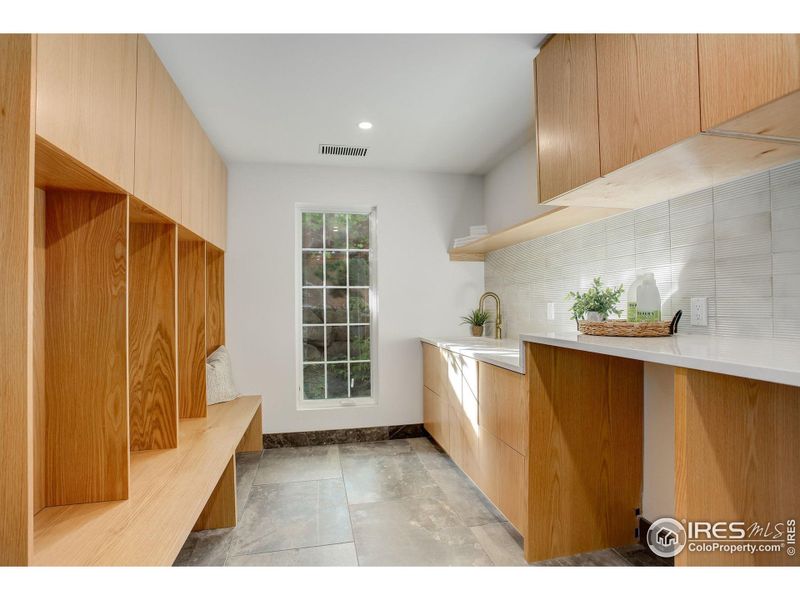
(737, 244)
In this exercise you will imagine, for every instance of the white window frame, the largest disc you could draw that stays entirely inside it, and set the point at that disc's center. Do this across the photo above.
(336, 403)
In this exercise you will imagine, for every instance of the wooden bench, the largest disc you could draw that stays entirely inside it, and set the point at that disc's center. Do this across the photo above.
(172, 492)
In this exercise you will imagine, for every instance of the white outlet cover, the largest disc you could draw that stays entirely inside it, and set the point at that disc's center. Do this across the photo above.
(699, 310)
(551, 311)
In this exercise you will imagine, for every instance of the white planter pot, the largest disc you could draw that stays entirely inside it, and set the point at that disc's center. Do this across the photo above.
(595, 317)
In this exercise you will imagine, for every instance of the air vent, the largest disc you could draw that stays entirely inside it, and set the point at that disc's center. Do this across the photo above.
(332, 150)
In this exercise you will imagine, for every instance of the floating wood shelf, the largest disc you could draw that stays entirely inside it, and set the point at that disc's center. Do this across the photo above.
(169, 490)
(556, 220)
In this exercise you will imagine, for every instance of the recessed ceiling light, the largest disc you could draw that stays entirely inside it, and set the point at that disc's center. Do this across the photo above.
(365, 125)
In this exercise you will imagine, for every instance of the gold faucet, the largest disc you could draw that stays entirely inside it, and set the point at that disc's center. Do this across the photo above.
(498, 318)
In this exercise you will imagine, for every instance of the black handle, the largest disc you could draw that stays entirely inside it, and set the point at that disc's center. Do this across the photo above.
(673, 326)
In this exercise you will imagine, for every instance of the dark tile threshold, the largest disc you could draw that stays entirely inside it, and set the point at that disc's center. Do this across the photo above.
(343, 436)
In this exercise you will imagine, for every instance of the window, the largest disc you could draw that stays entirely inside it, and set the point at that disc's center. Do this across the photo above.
(337, 300)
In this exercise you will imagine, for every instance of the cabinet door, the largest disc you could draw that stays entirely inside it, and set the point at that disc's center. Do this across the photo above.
(503, 403)
(216, 224)
(648, 95)
(741, 72)
(86, 100)
(159, 143)
(197, 153)
(566, 114)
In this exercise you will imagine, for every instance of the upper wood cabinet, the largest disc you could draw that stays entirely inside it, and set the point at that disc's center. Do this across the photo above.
(566, 114)
(197, 159)
(86, 100)
(217, 214)
(648, 97)
(741, 72)
(159, 142)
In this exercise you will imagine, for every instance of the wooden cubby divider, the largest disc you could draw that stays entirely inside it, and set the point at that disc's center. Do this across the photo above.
(86, 347)
(215, 302)
(152, 321)
(191, 328)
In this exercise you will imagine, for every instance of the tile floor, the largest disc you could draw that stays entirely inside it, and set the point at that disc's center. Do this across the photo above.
(393, 503)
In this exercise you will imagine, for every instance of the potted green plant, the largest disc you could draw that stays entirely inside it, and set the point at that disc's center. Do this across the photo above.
(596, 303)
(476, 320)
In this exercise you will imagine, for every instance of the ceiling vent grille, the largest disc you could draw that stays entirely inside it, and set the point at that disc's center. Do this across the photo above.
(332, 150)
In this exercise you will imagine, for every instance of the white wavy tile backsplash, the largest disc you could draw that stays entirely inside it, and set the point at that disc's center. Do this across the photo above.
(738, 244)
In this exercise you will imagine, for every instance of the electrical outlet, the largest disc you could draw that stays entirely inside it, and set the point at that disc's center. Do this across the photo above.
(551, 311)
(700, 312)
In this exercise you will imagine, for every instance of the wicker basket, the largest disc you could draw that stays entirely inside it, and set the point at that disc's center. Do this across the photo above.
(619, 328)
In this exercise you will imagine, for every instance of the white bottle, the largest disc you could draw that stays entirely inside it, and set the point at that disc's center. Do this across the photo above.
(648, 300)
(632, 297)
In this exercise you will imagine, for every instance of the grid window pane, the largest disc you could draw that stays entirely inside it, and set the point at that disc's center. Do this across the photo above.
(359, 268)
(313, 382)
(360, 381)
(359, 306)
(336, 305)
(312, 268)
(336, 346)
(336, 311)
(312, 230)
(313, 311)
(313, 344)
(335, 231)
(337, 381)
(336, 268)
(359, 342)
(359, 231)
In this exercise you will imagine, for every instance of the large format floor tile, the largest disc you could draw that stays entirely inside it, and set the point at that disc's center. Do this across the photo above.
(390, 472)
(465, 498)
(334, 555)
(309, 463)
(282, 516)
(246, 467)
(421, 531)
(407, 501)
(502, 543)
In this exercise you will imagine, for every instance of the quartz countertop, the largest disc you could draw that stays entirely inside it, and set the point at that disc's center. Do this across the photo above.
(501, 353)
(777, 361)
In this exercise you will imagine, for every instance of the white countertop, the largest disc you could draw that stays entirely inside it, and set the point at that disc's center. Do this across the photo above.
(501, 353)
(772, 360)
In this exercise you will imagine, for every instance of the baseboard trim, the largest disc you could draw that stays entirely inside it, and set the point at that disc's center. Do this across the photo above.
(343, 436)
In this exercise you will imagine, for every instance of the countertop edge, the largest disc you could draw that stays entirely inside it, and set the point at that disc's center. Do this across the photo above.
(709, 364)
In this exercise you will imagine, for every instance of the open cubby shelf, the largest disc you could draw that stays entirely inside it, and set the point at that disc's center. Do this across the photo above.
(168, 495)
(128, 457)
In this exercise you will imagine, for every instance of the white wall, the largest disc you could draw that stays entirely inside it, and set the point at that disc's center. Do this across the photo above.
(420, 291)
(658, 460)
(511, 191)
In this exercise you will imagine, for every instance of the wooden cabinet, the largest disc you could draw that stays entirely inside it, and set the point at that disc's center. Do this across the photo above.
(566, 114)
(86, 100)
(197, 155)
(159, 141)
(647, 93)
(504, 405)
(435, 411)
(217, 209)
(739, 73)
(481, 411)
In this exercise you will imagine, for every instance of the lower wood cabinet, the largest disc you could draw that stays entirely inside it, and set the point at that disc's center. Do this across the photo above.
(480, 419)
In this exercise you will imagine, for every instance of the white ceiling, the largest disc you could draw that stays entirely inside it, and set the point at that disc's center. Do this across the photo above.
(448, 103)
